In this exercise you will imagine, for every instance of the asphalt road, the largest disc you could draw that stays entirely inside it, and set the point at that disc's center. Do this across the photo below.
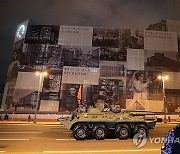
(35, 138)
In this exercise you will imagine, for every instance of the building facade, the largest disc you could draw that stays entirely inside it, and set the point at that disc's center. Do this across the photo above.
(85, 64)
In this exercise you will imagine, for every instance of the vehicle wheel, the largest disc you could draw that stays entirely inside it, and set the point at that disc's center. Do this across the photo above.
(80, 132)
(142, 129)
(122, 131)
(100, 132)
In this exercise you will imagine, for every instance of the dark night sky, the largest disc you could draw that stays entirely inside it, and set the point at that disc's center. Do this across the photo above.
(136, 14)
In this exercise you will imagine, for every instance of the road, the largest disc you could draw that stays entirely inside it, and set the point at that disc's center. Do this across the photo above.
(40, 138)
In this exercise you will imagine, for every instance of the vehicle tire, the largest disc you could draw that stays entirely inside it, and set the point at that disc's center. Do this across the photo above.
(122, 131)
(100, 132)
(80, 132)
(142, 129)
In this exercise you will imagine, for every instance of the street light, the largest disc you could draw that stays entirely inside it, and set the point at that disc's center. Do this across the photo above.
(163, 78)
(41, 75)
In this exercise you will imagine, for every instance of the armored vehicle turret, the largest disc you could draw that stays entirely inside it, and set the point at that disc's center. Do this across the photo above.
(99, 121)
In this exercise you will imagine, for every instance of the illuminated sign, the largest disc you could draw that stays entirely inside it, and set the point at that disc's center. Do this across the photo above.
(21, 31)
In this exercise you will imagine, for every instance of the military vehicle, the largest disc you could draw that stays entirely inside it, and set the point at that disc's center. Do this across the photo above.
(98, 122)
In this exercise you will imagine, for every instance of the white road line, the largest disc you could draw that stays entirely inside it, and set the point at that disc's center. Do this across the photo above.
(102, 151)
(67, 132)
(19, 132)
(13, 139)
(167, 124)
(115, 139)
(89, 140)
(65, 139)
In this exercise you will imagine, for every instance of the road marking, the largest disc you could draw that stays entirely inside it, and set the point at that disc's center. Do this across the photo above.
(19, 132)
(32, 124)
(2, 151)
(102, 151)
(13, 139)
(65, 139)
(67, 132)
(166, 124)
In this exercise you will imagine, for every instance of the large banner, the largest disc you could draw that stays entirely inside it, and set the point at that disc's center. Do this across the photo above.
(80, 75)
(111, 91)
(84, 64)
(135, 59)
(112, 69)
(118, 38)
(42, 34)
(75, 36)
(12, 75)
(51, 106)
(173, 26)
(148, 105)
(173, 81)
(160, 41)
(80, 56)
(113, 54)
(161, 60)
(25, 96)
(28, 80)
(41, 56)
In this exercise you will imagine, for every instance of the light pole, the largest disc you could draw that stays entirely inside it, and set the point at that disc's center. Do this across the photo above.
(41, 75)
(163, 78)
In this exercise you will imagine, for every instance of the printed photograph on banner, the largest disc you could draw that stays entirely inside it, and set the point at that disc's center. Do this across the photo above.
(143, 85)
(52, 83)
(173, 100)
(137, 39)
(104, 37)
(70, 97)
(131, 38)
(80, 56)
(111, 91)
(142, 104)
(161, 60)
(75, 36)
(125, 40)
(25, 100)
(112, 71)
(51, 96)
(172, 81)
(113, 54)
(49, 105)
(134, 104)
(118, 38)
(78, 95)
(41, 56)
(25, 97)
(51, 87)
(42, 34)
(15, 60)
(89, 95)
(9, 89)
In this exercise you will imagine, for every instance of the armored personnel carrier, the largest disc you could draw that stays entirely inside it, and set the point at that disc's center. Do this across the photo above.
(98, 121)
